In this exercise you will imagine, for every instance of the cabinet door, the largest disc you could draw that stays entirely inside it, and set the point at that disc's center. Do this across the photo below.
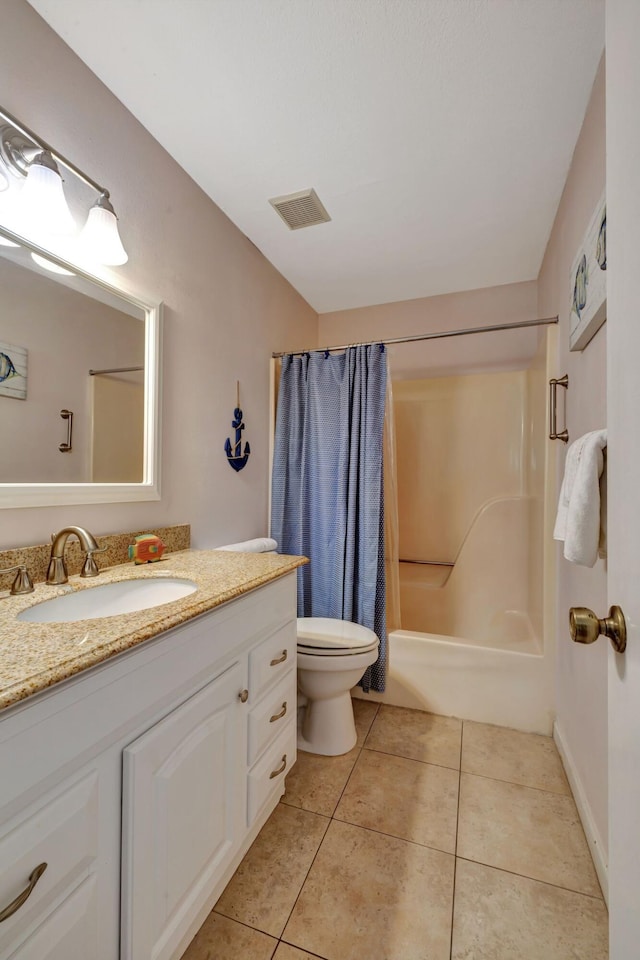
(183, 812)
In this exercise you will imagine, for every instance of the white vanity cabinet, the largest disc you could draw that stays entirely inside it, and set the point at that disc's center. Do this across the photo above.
(143, 781)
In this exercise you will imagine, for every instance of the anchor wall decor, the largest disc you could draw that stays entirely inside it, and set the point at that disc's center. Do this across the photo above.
(235, 457)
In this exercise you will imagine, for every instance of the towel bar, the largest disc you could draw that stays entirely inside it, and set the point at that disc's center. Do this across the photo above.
(553, 412)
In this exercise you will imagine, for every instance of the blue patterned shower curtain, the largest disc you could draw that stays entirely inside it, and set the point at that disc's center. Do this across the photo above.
(327, 493)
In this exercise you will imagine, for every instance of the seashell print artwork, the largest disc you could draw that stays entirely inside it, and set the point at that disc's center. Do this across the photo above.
(589, 281)
(580, 287)
(601, 245)
(7, 368)
(13, 371)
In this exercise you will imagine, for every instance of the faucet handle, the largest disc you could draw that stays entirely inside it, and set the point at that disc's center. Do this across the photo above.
(90, 567)
(22, 582)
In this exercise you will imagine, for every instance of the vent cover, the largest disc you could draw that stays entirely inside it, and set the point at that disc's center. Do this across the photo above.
(301, 209)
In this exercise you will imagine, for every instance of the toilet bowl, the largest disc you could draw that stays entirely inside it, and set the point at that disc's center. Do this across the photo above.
(332, 656)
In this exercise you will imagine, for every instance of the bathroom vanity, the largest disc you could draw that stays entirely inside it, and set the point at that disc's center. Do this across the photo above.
(142, 780)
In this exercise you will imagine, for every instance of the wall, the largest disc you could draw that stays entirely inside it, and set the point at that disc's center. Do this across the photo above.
(506, 350)
(226, 307)
(581, 672)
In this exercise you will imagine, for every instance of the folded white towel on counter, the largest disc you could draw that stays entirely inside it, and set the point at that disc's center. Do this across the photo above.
(579, 521)
(259, 545)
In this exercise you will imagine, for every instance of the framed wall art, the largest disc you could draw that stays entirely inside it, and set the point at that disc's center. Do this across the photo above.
(589, 281)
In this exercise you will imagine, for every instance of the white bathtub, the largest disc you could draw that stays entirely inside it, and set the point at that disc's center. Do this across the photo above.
(463, 678)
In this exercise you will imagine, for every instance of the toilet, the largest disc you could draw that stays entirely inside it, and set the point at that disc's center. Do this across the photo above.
(332, 656)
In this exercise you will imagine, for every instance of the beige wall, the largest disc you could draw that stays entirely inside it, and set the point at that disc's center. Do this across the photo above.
(581, 672)
(511, 303)
(226, 307)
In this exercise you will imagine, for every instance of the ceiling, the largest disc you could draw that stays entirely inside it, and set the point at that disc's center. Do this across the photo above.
(437, 133)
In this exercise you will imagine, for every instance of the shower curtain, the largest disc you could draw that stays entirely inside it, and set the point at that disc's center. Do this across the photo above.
(327, 486)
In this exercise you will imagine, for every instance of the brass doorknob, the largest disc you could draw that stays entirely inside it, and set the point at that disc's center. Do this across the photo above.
(585, 627)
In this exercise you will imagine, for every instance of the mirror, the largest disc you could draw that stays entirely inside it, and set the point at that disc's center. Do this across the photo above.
(79, 384)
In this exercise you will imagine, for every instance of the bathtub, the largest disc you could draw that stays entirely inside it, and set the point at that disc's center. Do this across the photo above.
(469, 648)
(463, 678)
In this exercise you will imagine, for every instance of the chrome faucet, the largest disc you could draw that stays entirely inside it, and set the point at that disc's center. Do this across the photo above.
(57, 571)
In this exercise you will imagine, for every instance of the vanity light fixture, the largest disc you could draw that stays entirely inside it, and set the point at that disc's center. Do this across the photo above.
(100, 233)
(41, 204)
(4, 180)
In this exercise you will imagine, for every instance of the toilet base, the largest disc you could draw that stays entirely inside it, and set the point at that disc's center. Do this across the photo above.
(328, 727)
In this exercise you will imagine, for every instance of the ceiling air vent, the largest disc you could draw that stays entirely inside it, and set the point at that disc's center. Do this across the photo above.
(301, 209)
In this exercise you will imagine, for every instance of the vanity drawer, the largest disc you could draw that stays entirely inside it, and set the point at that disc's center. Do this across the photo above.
(271, 715)
(271, 659)
(267, 775)
(63, 833)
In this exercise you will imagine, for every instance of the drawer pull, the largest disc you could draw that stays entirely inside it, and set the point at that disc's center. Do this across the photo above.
(279, 716)
(274, 773)
(26, 893)
(274, 663)
(243, 696)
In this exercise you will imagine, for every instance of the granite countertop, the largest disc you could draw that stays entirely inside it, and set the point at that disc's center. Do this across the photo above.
(34, 656)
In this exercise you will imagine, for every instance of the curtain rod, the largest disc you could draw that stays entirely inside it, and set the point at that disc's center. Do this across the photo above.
(94, 373)
(424, 336)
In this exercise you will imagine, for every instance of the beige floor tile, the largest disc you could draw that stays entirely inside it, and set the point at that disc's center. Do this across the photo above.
(315, 783)
(524, 758)
(530, 832)
(286, 952)
(499, 916)
(364, 712)
(416, 735)
(222, 939)
(405, 798)
(264, 888)
(368, 895)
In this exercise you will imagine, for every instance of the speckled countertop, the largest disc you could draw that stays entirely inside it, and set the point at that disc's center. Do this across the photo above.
(34, 656)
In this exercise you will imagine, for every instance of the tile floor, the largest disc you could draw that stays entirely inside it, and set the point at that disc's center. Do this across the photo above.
(433, 839)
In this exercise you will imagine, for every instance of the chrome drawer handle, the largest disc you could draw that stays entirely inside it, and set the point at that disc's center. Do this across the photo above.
(281, 768)
(26, 893)
(274, 663)
(279, 716)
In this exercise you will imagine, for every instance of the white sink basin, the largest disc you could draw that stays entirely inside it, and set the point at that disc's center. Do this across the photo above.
(109, 600)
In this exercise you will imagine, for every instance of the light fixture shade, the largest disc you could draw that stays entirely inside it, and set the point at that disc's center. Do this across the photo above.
(100, 238)
(4, 180)
(43, 206)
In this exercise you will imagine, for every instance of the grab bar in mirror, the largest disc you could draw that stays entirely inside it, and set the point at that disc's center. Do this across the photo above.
(435, 563)
(68, 416)
(553, 412)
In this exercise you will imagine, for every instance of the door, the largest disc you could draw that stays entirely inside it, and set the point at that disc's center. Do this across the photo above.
(623, 455)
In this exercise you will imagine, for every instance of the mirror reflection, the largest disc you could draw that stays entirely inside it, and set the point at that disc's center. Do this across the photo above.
(67, 344)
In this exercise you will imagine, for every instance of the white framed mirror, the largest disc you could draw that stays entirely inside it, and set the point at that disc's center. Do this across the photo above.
(73, 343)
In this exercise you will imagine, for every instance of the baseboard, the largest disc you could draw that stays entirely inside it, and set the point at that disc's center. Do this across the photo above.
(596, 846)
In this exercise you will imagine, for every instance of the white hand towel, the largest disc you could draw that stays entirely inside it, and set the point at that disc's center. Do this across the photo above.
(578, 522)
(259, 545)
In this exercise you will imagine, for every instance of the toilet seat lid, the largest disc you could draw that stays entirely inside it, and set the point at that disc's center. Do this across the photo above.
(331, 635)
